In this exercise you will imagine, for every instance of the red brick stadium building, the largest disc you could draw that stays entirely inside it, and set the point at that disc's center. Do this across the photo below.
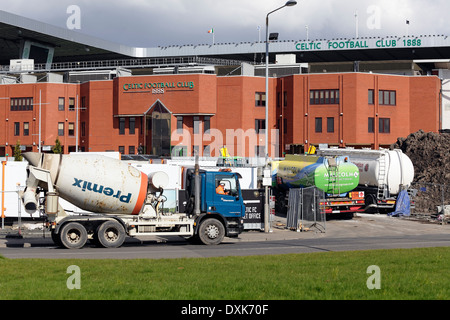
(148, 114)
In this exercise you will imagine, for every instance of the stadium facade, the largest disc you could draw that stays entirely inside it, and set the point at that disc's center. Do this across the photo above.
(98, 96)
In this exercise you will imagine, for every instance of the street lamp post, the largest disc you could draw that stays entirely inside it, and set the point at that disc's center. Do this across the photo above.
(289, 3)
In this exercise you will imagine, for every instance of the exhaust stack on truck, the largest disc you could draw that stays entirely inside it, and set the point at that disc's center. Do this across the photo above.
(120, 200)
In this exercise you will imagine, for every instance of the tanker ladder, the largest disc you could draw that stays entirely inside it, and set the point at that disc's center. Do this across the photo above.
(333, 174)
(382, 191)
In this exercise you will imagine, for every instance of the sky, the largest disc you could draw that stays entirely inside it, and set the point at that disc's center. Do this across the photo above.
(153, 23)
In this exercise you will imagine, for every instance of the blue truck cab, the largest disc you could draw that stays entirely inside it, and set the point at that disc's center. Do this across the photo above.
(221, 207)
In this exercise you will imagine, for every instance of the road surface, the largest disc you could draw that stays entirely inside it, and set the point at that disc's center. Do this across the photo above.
(365, 232)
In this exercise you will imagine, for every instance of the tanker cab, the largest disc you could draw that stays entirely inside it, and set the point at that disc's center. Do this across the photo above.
(226, 198)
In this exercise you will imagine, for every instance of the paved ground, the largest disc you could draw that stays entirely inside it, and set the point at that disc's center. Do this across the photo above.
(363, 225)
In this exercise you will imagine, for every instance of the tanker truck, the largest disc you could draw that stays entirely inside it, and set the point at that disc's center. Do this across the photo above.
(336, 176)
(121, 201)
(383, 174)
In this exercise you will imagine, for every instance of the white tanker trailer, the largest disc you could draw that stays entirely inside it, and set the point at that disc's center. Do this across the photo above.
(383, 174)
(120, 200)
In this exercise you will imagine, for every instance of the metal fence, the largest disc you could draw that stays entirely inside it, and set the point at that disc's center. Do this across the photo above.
(431, 198)
(10, 200)
(305, 211)
(125, 63)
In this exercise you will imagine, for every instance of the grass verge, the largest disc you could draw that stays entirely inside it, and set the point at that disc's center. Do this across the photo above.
(406, 274)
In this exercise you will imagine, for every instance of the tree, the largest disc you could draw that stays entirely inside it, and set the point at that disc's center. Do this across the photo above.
(57, 148)
(17, 152)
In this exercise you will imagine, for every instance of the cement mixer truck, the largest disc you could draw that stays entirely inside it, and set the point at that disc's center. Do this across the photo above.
(383, 174)
(121, 201)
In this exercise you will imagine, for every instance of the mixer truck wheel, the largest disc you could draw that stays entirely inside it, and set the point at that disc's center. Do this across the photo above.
(211, 232)
(110, 234)
(73, 235)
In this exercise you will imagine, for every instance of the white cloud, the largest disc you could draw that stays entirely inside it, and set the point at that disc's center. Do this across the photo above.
(149, 23)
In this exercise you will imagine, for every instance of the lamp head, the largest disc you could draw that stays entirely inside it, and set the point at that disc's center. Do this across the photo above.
(291, 3)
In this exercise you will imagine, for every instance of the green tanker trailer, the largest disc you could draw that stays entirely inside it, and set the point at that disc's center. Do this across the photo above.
(336, 176)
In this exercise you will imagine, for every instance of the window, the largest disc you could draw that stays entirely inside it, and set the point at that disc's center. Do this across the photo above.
(260, 124)
(179, 151)
(71, 104)
(131, 150)
(21, 104)
(83, 103)
(196, 150)
(330, 125)
(260, 151)
(122, 149)
(385, 125)
(83, 129)
(207, 124)
(179, 124)
(61, 129)
(122, 127)
(207, 151)
(387, 98)
(132, 126)
(17, 128)
(324, 96)
(285, 98)
(318, 125)
(26, 128)
(371, 127)
(71, 129)
(393, 98)
(229, 184)
(285, 124)
(61, 104)
(197, 124)
(371, 96)
(260, 99)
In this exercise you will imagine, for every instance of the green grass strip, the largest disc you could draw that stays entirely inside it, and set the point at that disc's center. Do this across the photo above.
(406, 274)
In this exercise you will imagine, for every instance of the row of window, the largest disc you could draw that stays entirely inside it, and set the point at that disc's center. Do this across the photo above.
(61, 129)
(62, 104)
(330, 125)
(131, 149)
(385, 97)
(324, 97)
(131, 126)
(384, 125)
(26, 104)
(331, 96)
(197, 124)
(21, 104)
(26, 129)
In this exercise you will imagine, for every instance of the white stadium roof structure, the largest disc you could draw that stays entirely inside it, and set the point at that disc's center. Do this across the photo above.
(58, 49)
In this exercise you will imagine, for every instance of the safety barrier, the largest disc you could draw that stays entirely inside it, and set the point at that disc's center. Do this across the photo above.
(431, 199)
(305, 211)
